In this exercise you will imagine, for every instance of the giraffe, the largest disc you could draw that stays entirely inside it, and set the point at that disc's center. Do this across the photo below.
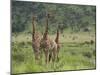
(57, 42)
(48, 45)
(36, 37)
(55, 53)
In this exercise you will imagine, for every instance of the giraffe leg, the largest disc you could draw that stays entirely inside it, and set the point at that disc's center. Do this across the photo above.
(46, 56)
(58, 55)
(37, 56)
(53, 56)
(41, 55)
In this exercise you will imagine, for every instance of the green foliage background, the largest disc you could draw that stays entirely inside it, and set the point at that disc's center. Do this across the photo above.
(76, 17)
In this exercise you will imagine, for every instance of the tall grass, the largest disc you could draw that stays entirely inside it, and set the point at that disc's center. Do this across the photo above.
(77, 52)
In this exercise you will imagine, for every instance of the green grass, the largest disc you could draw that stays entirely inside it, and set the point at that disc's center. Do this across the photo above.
(77, 52)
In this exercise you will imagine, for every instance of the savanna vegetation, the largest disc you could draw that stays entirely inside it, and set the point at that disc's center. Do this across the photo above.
(77, 36)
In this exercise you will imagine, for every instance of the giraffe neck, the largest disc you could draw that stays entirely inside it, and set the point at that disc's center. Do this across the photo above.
(46, 29)
(33, 25)
(57, 36)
